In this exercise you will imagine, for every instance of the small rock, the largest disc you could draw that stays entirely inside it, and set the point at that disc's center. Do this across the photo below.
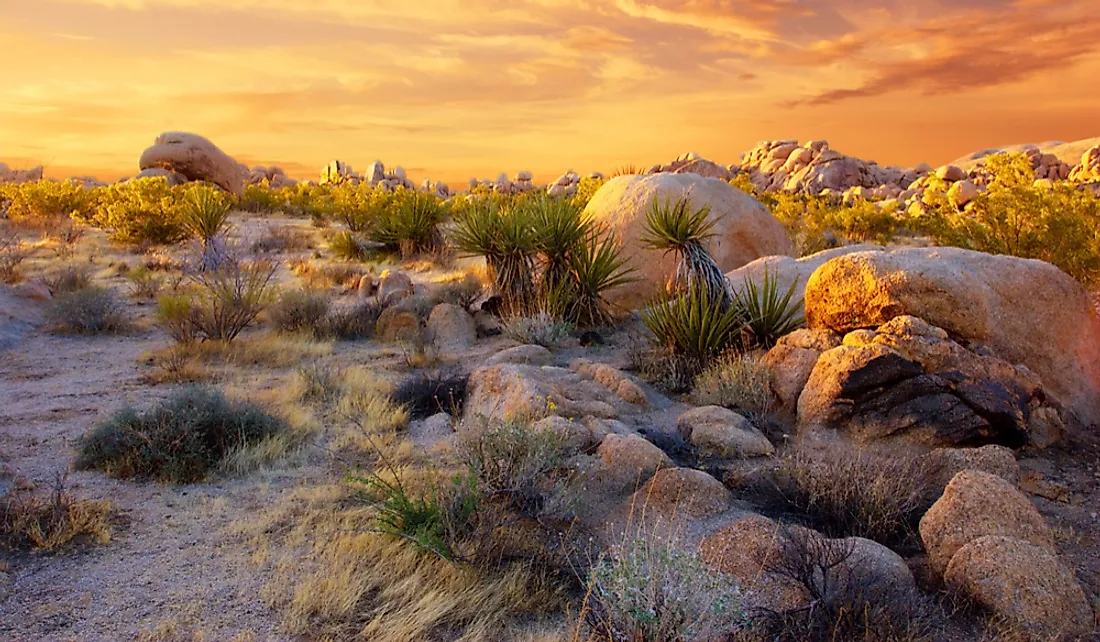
(451, 327)
(683, 492)
(394, 286)
(525, 354)
(720, 432)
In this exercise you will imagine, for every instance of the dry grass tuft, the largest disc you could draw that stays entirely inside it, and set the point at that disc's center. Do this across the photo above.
(739, 382)
(30, 521)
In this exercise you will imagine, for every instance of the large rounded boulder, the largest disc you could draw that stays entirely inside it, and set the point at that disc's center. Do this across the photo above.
(1028, 312)
(743, 229)
(196, 158)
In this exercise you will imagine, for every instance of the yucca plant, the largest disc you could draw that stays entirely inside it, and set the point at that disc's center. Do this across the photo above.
(693, 325)
(599, 266)
(410, 224)
(345, 246)
(768, 313)
(562, 233)
(676, 228)
(508, 239)
(205, 213)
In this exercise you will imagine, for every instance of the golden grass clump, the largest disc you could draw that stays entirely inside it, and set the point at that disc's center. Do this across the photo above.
(31, 521)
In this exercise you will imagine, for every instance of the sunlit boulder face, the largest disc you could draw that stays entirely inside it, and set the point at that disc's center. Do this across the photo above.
(196, 158)
(1027, 312)
(743, 230)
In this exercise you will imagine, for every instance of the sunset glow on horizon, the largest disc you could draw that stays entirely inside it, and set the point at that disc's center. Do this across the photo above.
(451, 89)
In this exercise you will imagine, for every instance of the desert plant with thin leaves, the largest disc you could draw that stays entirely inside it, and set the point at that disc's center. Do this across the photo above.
(674, 227)
(694, 325)
(769, 312)
(205, 214)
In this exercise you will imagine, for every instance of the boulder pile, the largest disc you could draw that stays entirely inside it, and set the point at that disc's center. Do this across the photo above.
(815, 168)
(1089, 169)
(20, 175)
(275, 177)
(337, 172)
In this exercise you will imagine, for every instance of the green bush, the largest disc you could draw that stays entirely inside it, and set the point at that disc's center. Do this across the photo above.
(222, 302)
(88, 310)
(694, 326)
(49, 199)
(178, 441)
(506, 236)
(1058, 224)
(768, 313)
(810, 220)
(652, 592)
(345, 245)
(300, 310)
(410, 223)
(354, 322)
(142, 210)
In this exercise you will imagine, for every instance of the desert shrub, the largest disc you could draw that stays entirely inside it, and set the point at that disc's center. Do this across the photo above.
(507, 238)
(431, 392)
(284, 238)
(359, 207)
(816, 223)
(222, 304)
(145, 283)
(597, 267)
(65, 238)
(354, 322)
(327, 276)
(586, 189)
(694, 326)
(514, 461)
(768, 311)
(538, 328)
(89, 310)
(298, 310)
(179, 441)
(12, 253)
(410, 224)
(30, 521)
(1058, 224)
(204, 212)
(850, 603)
(260, 198)
(463, 291)
(318, 382)
(344, 245)
(142, 210)
(736, 381)
(68, 278)
(666, 370)
(652, 592)
(49, 199)
(847, 493)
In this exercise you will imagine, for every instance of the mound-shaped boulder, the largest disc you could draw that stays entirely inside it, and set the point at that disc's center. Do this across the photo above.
(977, 504)
(719, 432)
(743, 230)
(451, 327)
(1024, 584)
(196, 158)
(1028, 312)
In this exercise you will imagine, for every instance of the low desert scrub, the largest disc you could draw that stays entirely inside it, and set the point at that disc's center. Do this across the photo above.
(427, 393)
(145, 284)
(345, 245)
(318, 277)
(816, 223)
(848, 604)
(653, 592)
(300, 310)
(179, 441)
(538, 328)
(410, 223)
(221, 302)
(281, 239)
(177, 364)
(31, 521)
(67, 279)
(65, 238)
(738, 382)
(273, 351)
(371, 419)
(352, 322)
(141, 210)
(844, 493)
(317, 382)
(13, 251)
(89, 310)
(463, 289)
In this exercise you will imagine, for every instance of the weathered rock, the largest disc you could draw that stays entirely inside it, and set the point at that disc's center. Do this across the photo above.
(451, 328)
(173, 177)
(791, 367)
(962, 192)
(683, 492)
(786, 270)
(743, 228)
(525, 354)
(951, 173)
(394, 286)
(612, 379)
(992, 459)
(509, 390)
(749, 550)
(367, 286)
(976, 504)
(399, 323)
(196, 158)
(1024, 584)
(720, 432)
(630, 460)
(1028, 312)
(575, 437)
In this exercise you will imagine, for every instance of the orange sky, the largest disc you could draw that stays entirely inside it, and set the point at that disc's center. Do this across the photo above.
(457, 88)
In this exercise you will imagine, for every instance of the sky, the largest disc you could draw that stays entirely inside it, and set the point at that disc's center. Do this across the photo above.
(451, 89)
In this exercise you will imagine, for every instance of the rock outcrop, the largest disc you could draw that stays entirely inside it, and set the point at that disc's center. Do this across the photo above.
(743, 229)
(196, 158)
(1027, 312)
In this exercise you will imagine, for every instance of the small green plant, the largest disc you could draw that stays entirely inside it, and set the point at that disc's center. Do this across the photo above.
(513, 460)
(300, 310)
(768, 312)
(141, 210)
(596, 268)
(694, 325)
(345, 245)
(145, 283)
(89, 310)
(69, 278)
(674, 227)
(179, 440)
(651, 592)
(223, 304)
(318, 383)
(736, 381)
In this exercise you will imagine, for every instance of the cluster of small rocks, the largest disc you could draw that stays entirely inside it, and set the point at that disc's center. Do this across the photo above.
(337, 172)
(275, 177)
(20, 175)
(523, 182)
(1089, 169)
